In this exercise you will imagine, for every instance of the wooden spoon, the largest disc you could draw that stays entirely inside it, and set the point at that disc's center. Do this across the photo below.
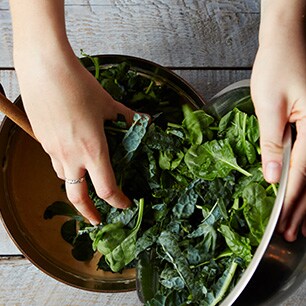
(13, 112)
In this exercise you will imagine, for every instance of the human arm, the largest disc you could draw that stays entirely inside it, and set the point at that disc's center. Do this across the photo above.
(66, 106)
(278, 87)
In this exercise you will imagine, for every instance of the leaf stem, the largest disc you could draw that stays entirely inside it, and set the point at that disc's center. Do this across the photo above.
(226, 283)
(149, 87)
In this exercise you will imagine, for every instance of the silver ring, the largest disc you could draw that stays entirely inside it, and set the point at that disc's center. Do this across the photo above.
(75, 181)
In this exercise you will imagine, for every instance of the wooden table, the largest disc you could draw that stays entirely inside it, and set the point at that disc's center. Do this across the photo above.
(210, 43)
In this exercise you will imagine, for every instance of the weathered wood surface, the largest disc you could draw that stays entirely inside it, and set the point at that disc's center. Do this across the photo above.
(210, 43)
(25, 285)
(173, 33)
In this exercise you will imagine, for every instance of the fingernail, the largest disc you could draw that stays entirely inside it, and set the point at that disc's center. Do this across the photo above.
(125, 201)
(125, 206)
(290, 234)
(94, 222)
(273, 172)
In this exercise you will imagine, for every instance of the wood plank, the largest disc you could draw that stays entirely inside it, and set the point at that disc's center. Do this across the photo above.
(209, 82)
(8, 80)
(192, 33)
(241, 5)
(7, 246)
(22, 283)
(36, 288)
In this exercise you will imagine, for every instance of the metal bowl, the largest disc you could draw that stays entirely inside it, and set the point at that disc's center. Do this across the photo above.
(278, 267)
(28, 185)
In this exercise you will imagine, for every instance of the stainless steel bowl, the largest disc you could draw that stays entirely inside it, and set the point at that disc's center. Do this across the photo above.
(278, 267)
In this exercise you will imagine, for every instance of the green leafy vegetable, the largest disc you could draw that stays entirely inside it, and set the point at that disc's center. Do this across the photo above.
(61, 209)
(201, 203)
(212, 159)
(125, 250)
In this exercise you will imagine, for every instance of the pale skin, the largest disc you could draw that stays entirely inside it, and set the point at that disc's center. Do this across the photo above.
(278, 87)
(67, 107)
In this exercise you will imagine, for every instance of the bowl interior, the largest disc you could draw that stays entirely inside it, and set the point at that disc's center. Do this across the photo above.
(30, 185)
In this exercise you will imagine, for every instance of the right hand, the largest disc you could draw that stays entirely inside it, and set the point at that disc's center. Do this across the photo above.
(67, 109)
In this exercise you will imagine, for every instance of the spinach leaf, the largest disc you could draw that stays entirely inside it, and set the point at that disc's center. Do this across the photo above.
(82, 249)
(108, 237)
(196, 124)
(125, 251)
(69, 231)
(238, 244)
(212, 159)
(242, 132)
(60, 208)
(169, 160)
(257, 209)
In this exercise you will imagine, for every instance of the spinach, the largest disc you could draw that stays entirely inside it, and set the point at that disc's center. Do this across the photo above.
(242, 132)
(62, 209)
(204, 203)
(257, 209)
(81, 244)
(212, 159)
(125, 244)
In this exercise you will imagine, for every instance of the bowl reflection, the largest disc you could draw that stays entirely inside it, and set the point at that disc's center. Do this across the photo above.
(281, 271)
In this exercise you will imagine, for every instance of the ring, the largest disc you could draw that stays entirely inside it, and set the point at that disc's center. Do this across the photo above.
(75, 181)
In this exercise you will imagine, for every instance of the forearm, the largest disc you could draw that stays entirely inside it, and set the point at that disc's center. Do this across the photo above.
(282, 19)
(38, 28)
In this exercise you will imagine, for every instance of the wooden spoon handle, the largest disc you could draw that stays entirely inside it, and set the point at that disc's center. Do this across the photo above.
(13, 112)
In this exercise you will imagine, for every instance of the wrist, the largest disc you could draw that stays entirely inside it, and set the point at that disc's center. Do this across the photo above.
(38, 29)
(37, 56)
(282, 22)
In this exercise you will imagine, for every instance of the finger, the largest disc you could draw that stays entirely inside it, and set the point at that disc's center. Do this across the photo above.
(77, 193)
(103, 179)
(125, 111)
(297, 176)
(272, 118)
(295, 220)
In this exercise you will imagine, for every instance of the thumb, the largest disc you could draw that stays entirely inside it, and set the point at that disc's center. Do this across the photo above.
(272, 121)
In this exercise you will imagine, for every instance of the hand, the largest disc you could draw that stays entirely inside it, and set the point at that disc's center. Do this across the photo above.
(279, 94)
(67, 108)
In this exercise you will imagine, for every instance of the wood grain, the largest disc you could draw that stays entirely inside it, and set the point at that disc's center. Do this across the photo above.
(174, 33)
(7, 247)
(23, 284)
(9, 82)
